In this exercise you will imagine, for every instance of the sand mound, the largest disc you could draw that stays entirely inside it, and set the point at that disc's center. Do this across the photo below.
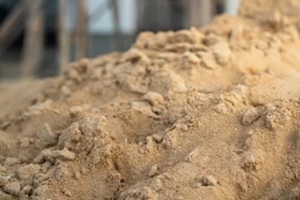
(194, 114)
(272, 12)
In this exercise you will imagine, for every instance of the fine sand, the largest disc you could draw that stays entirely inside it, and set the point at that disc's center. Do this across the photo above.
(208, 114)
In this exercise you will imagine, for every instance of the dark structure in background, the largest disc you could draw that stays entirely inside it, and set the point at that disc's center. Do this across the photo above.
(14, 24)
(163, 15)
(34, 40)
(157, 15)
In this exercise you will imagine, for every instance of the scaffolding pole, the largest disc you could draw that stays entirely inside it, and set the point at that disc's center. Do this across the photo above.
(34, 39)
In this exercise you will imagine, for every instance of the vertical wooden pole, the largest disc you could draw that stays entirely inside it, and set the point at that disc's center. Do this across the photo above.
(117, 29)
(147, 19)
(63, 34)
(34, 39)
(12, 25)
(200, 12)
(81, 32)
(176, 14)
(140, 6)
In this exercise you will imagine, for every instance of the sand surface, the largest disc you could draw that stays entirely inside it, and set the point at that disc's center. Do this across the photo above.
(211, 113)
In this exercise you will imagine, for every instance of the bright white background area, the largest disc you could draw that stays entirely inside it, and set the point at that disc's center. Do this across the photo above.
(231, 6)
(104, 24)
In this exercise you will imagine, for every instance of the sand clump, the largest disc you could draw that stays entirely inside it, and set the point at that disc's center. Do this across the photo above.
(211, 113)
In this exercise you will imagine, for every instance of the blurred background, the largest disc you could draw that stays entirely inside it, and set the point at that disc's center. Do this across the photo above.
(38, 37)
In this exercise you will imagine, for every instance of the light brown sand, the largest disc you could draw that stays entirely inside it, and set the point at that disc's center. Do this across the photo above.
(195, 114)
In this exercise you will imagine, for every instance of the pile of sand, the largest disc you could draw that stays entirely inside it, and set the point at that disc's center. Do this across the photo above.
(194, 114)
